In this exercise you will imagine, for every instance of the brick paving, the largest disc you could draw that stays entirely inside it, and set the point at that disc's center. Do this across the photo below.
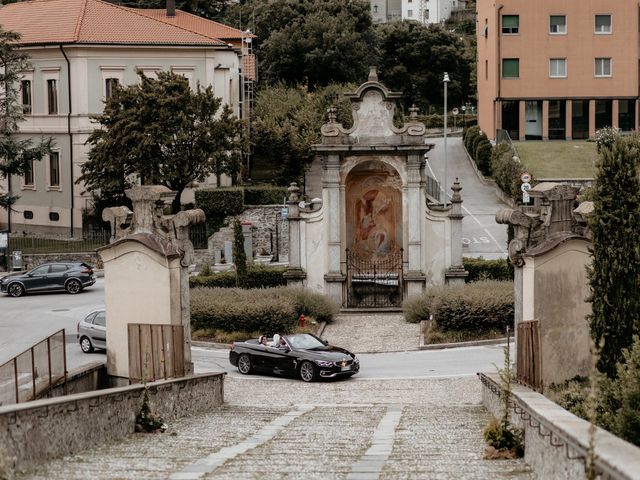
(286, 429)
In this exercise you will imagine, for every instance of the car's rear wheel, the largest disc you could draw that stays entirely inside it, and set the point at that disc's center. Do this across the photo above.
(244, 364)
(307, 371)
(73, 286)
(15, 290)
(86, 345)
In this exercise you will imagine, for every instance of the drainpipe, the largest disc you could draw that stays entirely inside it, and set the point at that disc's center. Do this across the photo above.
(69, 133)
(498, 65)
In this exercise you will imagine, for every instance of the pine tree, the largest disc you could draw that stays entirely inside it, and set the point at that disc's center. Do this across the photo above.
(615, 271)
(16, 155)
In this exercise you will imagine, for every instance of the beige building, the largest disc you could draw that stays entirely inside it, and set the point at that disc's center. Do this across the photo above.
(557, 70)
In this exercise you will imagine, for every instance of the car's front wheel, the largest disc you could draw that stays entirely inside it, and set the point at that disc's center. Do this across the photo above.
(15, 290)
(307, 371)
(86, 345)
(73, 286)
(244, 364)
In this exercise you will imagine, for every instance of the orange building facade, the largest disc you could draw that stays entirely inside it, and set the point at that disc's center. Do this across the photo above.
(551, 69)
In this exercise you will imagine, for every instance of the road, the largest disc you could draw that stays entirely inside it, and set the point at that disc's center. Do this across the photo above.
(482, 236)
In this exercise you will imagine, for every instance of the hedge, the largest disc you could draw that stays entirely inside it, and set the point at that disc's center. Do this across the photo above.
(272, 310)
(482, 269)
(219, 203)
(469, 135)
(505, 171)
(475, 307)
(483, 156)
(264, 195)
(257, 277)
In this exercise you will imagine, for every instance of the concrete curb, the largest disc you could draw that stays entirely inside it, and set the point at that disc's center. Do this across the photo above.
(474, 343)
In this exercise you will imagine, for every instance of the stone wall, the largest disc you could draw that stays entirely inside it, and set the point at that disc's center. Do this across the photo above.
(38, 431)
(556, 441)
(30, 260)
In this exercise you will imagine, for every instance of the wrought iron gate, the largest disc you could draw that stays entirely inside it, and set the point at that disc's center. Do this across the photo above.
(374, 283)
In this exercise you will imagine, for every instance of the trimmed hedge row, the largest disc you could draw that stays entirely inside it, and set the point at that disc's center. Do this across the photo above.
(479, 147)
(273, 310)
(506, 172)
(475, 307)
(257, 277)
(265, 195)
(482, 269)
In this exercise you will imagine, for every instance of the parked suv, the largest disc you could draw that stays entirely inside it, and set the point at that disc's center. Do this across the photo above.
(92, 331)
(69, 276)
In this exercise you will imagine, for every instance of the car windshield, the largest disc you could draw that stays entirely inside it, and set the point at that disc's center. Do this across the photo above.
(304, 341)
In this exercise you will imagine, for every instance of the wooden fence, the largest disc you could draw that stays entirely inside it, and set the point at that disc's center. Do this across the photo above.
(155, 352)
(528, 362)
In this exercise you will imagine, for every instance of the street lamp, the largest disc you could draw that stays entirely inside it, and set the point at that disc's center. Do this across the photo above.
(464, 110)
(445, 80)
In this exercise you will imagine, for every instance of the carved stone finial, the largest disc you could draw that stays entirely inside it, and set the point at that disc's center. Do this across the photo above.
(373, 74)
(456, 197)
(413, 113)
(294, 192)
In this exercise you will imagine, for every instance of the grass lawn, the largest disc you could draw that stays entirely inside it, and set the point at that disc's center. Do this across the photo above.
(558, 159)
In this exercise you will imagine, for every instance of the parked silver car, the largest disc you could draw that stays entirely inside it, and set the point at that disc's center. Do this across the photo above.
(92, 331)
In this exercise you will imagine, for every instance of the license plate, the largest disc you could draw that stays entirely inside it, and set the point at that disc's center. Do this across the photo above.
(344, 369)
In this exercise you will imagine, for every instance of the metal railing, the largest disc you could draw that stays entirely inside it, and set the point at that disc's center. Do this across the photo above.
(34, 371)
(503, 136)
(433, 188)
(33, 244)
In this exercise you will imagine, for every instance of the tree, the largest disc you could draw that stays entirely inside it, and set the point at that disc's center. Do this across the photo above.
(614, 275)
(309, 42)
(211, 9)
(240, 257)
(161, 132)
(413, 58)
(16, 155)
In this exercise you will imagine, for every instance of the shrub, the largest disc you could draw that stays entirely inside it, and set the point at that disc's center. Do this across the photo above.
(627, 421)
(215, 280)
(264, 195)
(482, 269)
(273, 310)
(479, 306)
(469, 135)
(239, 255)
(475, 143)
(605, 138)
(483, 156)
(505, 171)
(218, 203)
(256, 277)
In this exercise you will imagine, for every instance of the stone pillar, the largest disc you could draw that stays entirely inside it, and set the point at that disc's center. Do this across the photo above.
(592, 118)
(568, 122)
(545, 120)
(331, 184)
(295, 275)
(615, 113)
(415, 277)
(456, 274)
(522, 121)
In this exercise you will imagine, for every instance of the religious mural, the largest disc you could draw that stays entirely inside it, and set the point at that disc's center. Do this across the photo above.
(374, 210)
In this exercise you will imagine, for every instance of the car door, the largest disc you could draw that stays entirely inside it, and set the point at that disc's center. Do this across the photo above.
(99, 330)
(283, 360)
(56, 276)
(36, 279)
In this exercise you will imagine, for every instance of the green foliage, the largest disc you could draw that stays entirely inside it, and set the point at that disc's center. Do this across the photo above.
(219, 203)
(146, 420)
(480, 306)
(264, 195)
(469, 136)
(412, 59)
(483, 156)
(605, 138)
(211, 9)
(627, 422)
(239, 255)
(482, 269)
(162, 132)
(475, 142)
(614, 275)
(505, 171)
(272, 310)
(215, 280)
(16, 155)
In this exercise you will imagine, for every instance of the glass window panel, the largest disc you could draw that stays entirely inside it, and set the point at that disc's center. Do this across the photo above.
(510, 67)
(603, 23)
(510, 24)
(52, 96)
(558, 24)
(557, 67)
(54, 169)
(25, 88)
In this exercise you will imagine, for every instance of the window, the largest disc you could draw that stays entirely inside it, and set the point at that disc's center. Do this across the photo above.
(375, 9)
(54, 216)
(54, 169)
(426, 14)
(510, 24)
(603, 67)
(59, 268)
(110, 85)
(44, 270)
(603, 24)
(558, 24)
(52, 96)
(558, 67)
(510, 67)
(25, 90)
(28, 175)
(409, 13)
(28, 215)
(100, 319)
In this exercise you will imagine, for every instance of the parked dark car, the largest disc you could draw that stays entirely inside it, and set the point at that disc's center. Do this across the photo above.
(92, 331)
(301, 355)
(69, 276)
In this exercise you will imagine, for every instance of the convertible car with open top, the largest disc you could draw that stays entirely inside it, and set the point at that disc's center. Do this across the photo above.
(301, 355)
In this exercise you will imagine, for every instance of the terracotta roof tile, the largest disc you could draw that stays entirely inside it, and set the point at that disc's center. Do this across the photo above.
(249, 67)
(92, 21)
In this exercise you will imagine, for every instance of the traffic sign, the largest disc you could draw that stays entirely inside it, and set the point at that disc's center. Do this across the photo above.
(525, 187)
(525, 177)
(454, 111)
(525, 197)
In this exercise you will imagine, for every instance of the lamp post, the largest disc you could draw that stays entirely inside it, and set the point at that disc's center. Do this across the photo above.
(464, 109)
(445, 80)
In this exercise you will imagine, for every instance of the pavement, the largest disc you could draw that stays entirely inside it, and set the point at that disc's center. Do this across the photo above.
(392, 428)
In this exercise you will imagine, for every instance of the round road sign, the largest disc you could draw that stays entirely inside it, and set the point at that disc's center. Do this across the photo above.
(525, 177)
(454, 111)
(525, 187)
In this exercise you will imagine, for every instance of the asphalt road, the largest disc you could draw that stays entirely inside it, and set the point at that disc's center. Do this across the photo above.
(482, 236)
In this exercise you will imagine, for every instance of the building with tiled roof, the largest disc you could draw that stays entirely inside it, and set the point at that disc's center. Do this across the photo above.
(79, 49)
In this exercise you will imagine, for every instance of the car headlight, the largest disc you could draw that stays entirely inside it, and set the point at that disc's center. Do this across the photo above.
(324, 363)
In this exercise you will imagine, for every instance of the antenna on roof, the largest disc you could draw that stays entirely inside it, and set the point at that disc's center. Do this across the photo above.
(171, 8)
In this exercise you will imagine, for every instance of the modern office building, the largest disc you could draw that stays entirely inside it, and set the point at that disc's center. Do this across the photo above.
(557, 70)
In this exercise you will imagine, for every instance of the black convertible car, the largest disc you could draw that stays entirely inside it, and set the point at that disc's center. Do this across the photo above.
(301, 355)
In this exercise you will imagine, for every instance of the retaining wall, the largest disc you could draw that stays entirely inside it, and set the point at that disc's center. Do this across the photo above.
(556, 441)
(38, 431)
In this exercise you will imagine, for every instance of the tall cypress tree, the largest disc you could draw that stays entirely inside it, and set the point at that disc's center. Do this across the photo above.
(240, 257)
(615, 271)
